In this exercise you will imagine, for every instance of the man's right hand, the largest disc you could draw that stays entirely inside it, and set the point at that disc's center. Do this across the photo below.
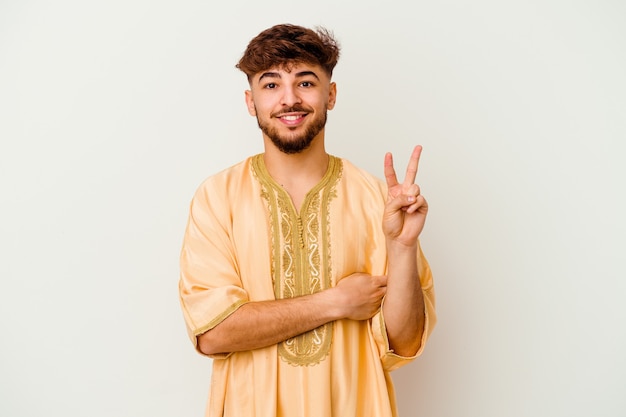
(360, 295)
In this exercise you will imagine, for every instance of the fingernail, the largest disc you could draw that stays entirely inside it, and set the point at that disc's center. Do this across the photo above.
(410, 199)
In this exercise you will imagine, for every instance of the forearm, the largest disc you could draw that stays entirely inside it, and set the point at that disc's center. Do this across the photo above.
(259, 324)
(403, 308)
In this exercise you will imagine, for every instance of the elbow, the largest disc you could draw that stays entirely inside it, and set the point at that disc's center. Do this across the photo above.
(207, 343)
(409, 342)
(408, 349)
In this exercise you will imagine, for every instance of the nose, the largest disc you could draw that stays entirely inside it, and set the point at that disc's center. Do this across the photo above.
(290, 96)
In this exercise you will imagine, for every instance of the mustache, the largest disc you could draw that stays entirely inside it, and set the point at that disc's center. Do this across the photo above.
(297, 108)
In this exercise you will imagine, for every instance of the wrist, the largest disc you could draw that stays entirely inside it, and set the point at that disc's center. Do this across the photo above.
(395, 245)
(332, 303)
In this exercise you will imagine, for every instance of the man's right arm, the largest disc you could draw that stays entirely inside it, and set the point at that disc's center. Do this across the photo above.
(258, 324)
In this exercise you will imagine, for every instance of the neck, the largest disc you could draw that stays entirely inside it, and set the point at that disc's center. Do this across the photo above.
(302, 170)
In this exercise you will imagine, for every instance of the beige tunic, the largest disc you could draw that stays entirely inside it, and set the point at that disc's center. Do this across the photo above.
(246, 242)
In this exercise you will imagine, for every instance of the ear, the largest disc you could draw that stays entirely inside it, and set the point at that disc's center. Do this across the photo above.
(250, 103)
(332, 95)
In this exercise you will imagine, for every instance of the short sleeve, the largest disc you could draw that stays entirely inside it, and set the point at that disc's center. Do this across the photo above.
(210, 287)
(391, 360)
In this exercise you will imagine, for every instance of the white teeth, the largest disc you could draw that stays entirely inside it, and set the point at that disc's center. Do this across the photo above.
(290, 118)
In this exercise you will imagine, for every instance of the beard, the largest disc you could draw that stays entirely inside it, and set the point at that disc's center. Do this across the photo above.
(293, 143)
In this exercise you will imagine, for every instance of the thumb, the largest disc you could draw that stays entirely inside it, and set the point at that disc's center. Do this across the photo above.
(401, 201)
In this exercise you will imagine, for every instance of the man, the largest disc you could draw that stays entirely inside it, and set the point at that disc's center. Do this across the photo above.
(301, 275)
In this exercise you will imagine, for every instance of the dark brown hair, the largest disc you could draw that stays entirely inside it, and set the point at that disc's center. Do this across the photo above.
(286, 44)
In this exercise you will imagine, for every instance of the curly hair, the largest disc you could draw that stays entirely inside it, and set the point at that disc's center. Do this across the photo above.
(286, 44)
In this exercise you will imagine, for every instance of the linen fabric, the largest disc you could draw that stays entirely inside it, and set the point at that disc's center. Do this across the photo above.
(245, 241)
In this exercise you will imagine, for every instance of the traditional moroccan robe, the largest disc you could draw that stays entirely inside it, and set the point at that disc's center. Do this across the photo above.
(245, 241)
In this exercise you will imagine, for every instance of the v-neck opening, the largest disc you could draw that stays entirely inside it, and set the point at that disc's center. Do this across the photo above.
(334, 165)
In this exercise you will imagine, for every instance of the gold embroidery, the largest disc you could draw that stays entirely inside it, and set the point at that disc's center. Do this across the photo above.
(301, 253)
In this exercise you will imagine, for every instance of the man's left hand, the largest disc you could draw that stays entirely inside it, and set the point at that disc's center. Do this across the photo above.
(406, 208)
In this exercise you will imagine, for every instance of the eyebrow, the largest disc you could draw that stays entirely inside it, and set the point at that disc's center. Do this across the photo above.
(298, 75)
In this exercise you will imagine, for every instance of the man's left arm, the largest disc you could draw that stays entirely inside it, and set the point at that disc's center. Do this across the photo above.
(404, 307)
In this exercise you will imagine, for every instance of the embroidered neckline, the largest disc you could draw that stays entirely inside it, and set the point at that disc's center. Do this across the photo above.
(301, 253)
(332, 174)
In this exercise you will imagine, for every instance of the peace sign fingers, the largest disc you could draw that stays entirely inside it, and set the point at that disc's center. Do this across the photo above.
(406, 209)
(411, 170)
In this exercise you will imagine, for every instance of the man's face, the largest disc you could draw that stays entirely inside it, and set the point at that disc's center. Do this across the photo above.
(290, 104)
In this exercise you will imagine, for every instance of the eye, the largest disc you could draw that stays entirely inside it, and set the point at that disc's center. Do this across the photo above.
(270, 86)
(306, 84)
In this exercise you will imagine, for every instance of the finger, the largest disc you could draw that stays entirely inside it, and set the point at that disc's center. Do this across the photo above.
(420, 204)
(406, 203)
(390, 172)
(402, 202)
(411, 169)
(413, 190)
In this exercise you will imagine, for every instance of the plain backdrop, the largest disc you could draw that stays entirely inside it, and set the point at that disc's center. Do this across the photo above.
(113, 112)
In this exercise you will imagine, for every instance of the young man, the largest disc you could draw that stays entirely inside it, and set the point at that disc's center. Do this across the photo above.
(301, 275)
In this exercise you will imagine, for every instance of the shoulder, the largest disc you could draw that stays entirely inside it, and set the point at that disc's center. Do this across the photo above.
(218, 192)
(225, 180)
(357, 176)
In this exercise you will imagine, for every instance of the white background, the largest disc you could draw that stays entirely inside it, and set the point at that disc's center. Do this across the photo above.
(112, 113)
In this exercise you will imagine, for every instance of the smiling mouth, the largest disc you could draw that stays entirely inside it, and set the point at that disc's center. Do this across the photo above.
(292, 120)
(292, 117)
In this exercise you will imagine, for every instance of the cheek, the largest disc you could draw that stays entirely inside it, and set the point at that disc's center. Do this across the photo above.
(260, 106)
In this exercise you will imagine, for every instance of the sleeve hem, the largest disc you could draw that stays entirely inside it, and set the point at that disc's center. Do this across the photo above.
(211, 324)
(389, 358)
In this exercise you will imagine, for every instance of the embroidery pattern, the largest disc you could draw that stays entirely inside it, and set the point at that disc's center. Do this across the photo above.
(301, 253)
